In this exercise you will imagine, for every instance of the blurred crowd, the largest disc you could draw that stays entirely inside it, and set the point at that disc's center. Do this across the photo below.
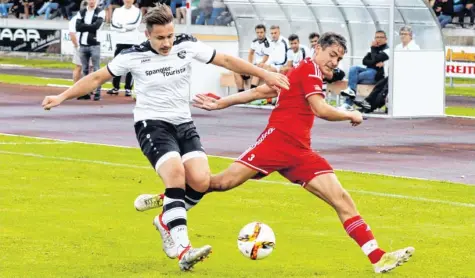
(203, 12)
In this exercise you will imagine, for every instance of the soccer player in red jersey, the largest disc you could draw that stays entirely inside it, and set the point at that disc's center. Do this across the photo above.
(284, 146)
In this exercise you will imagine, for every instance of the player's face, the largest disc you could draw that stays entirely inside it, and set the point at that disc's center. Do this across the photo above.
(327, 59)
(91, 3)
(161, 38)
(260, 33)
(275, 34)
(294, 45)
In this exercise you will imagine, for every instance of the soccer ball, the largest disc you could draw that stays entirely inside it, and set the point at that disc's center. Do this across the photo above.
(256, 241)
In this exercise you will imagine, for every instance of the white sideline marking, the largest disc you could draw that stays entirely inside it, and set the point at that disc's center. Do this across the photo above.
(230, 158)
(364, 192)
(34, 143)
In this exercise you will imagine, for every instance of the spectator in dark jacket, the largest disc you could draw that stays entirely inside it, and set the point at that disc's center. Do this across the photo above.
(371, 72)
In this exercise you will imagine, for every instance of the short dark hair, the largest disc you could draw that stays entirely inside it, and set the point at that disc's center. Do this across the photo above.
(382, 32)
(313, 35)
(329, 38)
(293, 37)
(159, 15)
(260, 26)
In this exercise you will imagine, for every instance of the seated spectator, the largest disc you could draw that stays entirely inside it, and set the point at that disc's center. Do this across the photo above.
(295, 54)
(470, 11)
(448, 9)
(5, 6)
(407, 43)
(378, 96)
(371, 72)
(210, 10)
(47, 8)
(23, 8)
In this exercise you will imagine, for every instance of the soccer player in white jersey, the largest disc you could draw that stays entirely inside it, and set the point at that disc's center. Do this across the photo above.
(258, 54)
(295, 54)
(313, 38)
(161, 67)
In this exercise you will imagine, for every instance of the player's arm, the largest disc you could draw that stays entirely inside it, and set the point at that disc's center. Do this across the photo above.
(327, 112)
(85, 85)
(250, 56)
(74, 39)
(243, 67)
(209, 103)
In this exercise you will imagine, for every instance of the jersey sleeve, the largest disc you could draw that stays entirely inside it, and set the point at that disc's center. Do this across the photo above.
(203, 52)
(253, 46)
(290, 55)
(119, 66)
(312, 81)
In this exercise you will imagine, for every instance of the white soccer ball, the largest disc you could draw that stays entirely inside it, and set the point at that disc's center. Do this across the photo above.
(256, 241)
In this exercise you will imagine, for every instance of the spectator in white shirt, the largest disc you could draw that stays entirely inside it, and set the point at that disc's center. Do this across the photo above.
(407, 43)
(295, 54)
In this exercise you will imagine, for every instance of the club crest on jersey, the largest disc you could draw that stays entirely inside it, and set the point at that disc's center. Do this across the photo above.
(145, 60)
(182, 54)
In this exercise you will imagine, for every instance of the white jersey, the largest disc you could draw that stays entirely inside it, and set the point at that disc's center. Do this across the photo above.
(72, 26)
(126, 22)
(279, 49)
(261, 49)
(298, 56)
(162, 83)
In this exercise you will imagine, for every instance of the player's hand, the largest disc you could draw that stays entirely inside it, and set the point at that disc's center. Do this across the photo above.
(274, 79)
(356, 118)
(205, 102)
(51, 101)
(380, 64)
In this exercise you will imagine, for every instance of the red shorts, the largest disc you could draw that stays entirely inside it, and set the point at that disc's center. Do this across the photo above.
(277, 151)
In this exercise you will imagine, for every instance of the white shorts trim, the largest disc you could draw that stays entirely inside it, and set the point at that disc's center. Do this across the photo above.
(253, 167)
(164, 158)
(193, 154)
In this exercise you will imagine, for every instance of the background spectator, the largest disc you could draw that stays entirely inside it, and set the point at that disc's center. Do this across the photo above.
(371, 72)
(5, 6)
(313, 38)
(47, 8)
(407, 43)
(296, 53)
(88, 22)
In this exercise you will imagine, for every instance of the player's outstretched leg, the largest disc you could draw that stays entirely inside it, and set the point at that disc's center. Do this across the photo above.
(234, 176)
(328, 188)
(174, 216)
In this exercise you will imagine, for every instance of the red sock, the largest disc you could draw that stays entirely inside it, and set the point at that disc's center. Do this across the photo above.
(361, 233)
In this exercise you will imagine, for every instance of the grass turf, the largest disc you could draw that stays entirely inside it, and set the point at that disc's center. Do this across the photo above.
(460, 111)
(39, 81)
(67, 211)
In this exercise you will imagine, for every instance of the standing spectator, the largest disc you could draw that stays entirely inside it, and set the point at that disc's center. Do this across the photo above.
(76, 57)
(313, 38)
(407, 43)
(88, 22)
(125, 21)
(295, 54)
(279, 46)
(110, 7)
(371, 72)
(258, 55)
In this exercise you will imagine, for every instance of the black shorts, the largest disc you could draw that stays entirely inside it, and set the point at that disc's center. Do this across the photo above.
(160, 140)
(245, 77)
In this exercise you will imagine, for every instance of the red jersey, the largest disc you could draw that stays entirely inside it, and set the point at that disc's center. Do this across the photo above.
(292, 113)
